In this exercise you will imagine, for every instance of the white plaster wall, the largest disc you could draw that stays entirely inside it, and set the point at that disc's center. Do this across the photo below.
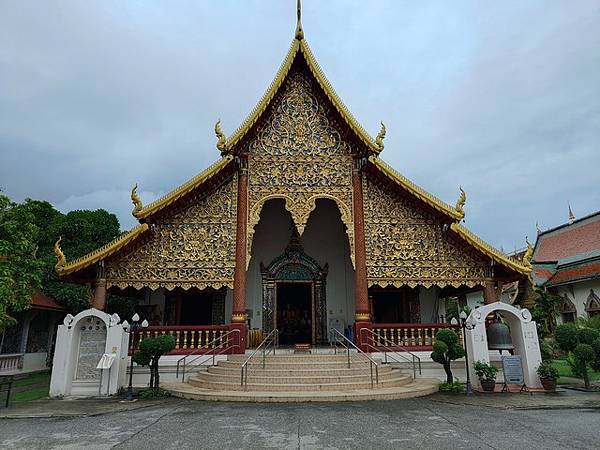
(429, 309)
(578, 293)
(324, 239)
(34, 361)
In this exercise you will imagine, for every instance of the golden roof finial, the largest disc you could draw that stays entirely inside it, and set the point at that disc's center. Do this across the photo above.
(61, 260)
(221, 140)
(380, 137)
(528, 254)
(299, 31)
(137, 203)
(460, 203)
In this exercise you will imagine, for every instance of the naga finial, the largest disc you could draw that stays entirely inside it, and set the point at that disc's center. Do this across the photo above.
(460, 203)
(299, 31)
(221, 140)
(137, 202)
(528, 254)
(380, 136)
(61, 260)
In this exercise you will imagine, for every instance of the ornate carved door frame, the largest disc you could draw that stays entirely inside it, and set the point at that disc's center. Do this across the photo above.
(294, 265)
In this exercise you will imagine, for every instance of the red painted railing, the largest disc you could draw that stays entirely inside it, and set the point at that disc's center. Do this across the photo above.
(411, 336)
(188, 339)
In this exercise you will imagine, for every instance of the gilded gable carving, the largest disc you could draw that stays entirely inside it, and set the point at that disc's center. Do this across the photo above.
(299, 154)
(406, 244)
(189, 245)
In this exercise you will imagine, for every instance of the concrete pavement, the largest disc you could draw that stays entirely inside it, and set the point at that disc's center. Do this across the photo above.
(430, 422)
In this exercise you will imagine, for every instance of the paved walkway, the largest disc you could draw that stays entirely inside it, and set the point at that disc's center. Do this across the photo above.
(437, 421)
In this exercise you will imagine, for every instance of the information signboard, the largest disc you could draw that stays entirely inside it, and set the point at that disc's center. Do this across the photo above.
(512, 367)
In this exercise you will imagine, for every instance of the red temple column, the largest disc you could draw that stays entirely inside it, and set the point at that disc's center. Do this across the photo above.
(99, 300)
(489, 292)
(238, 315)
(362, 316)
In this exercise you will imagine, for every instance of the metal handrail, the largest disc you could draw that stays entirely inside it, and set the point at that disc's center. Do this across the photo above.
(347, 343)
(195, 352)
(271, 339)
(415, 359)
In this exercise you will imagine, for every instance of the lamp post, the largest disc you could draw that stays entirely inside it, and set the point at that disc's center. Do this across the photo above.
(135, 325)
(465, 325)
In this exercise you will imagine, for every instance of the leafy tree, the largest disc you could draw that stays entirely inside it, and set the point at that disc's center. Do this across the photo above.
(446, 349)
(149, 353)
(582, 345)
(544, 312)
(20, 269)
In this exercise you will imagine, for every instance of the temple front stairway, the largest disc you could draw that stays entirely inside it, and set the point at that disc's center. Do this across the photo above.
(291, 377)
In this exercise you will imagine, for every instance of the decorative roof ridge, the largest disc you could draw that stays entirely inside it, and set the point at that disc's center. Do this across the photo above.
(186, 187)
(416, 190)
(489, 250)
(567, 224)
(301, 45)
(339, 105)
(102, 252)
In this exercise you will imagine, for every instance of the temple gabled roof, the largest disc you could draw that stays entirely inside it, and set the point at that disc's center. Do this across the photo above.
(300, 48)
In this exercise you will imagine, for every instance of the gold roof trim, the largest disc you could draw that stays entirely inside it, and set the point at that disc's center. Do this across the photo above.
(300, 45)
(103, 252)
(185, 188)
(490, 251)
(417, 191)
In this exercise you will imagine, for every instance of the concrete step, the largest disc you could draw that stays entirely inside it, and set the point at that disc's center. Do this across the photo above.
(304, 378)
(295, 387)
(354, 370)
(417, 388)
(291, 357)
(297, 365)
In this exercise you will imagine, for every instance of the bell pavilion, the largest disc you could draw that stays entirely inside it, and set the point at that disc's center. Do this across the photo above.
(300, 227)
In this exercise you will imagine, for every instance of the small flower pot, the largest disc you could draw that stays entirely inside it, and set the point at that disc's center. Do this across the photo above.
(488, 385)
(549, 384)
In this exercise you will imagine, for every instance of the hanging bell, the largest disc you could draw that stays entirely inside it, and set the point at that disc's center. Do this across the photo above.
(498, 336)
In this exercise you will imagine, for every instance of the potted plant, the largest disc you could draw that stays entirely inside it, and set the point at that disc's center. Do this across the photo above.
(487, 375)
(548, 375)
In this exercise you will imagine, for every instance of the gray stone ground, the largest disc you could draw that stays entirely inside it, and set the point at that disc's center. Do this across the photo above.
(435, 422)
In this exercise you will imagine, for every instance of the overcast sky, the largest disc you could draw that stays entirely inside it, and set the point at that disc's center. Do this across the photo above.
(501, 97)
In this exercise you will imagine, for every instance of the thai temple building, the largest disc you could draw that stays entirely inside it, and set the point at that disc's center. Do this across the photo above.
(300, 227)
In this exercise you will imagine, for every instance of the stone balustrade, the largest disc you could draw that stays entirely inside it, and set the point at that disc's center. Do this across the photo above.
(189, 339)
(412, 336)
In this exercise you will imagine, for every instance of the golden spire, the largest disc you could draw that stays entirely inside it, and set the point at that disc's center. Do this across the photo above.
(528, 254)
(380, 137)
(137, 203)
(571, 215)
(460, 203)
(299, 31)
(61, 260)
(221, 140)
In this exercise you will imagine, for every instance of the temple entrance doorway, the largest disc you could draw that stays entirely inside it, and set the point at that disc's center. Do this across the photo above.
(294, 313)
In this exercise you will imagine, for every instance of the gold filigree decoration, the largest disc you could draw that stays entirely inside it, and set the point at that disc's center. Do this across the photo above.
(380, 137)
(460, 203)
(528, 254)
(221, 140)
(406, 243)
(299, 155)
(190, 245)
(61, 260)
(137, 202)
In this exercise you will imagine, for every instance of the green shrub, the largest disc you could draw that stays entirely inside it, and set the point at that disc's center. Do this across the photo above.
(566, 336)
(546, 350)
(455, 387)
(149, 353)
(153, 393)
(548, 371)
(485, 371)
(446, 349)
(587, 335)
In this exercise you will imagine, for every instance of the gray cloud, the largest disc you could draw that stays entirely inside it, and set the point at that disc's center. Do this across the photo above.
(502, 98)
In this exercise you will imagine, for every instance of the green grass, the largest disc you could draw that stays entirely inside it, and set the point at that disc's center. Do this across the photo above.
(34, 378)
(33, 394)
(565, 371)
